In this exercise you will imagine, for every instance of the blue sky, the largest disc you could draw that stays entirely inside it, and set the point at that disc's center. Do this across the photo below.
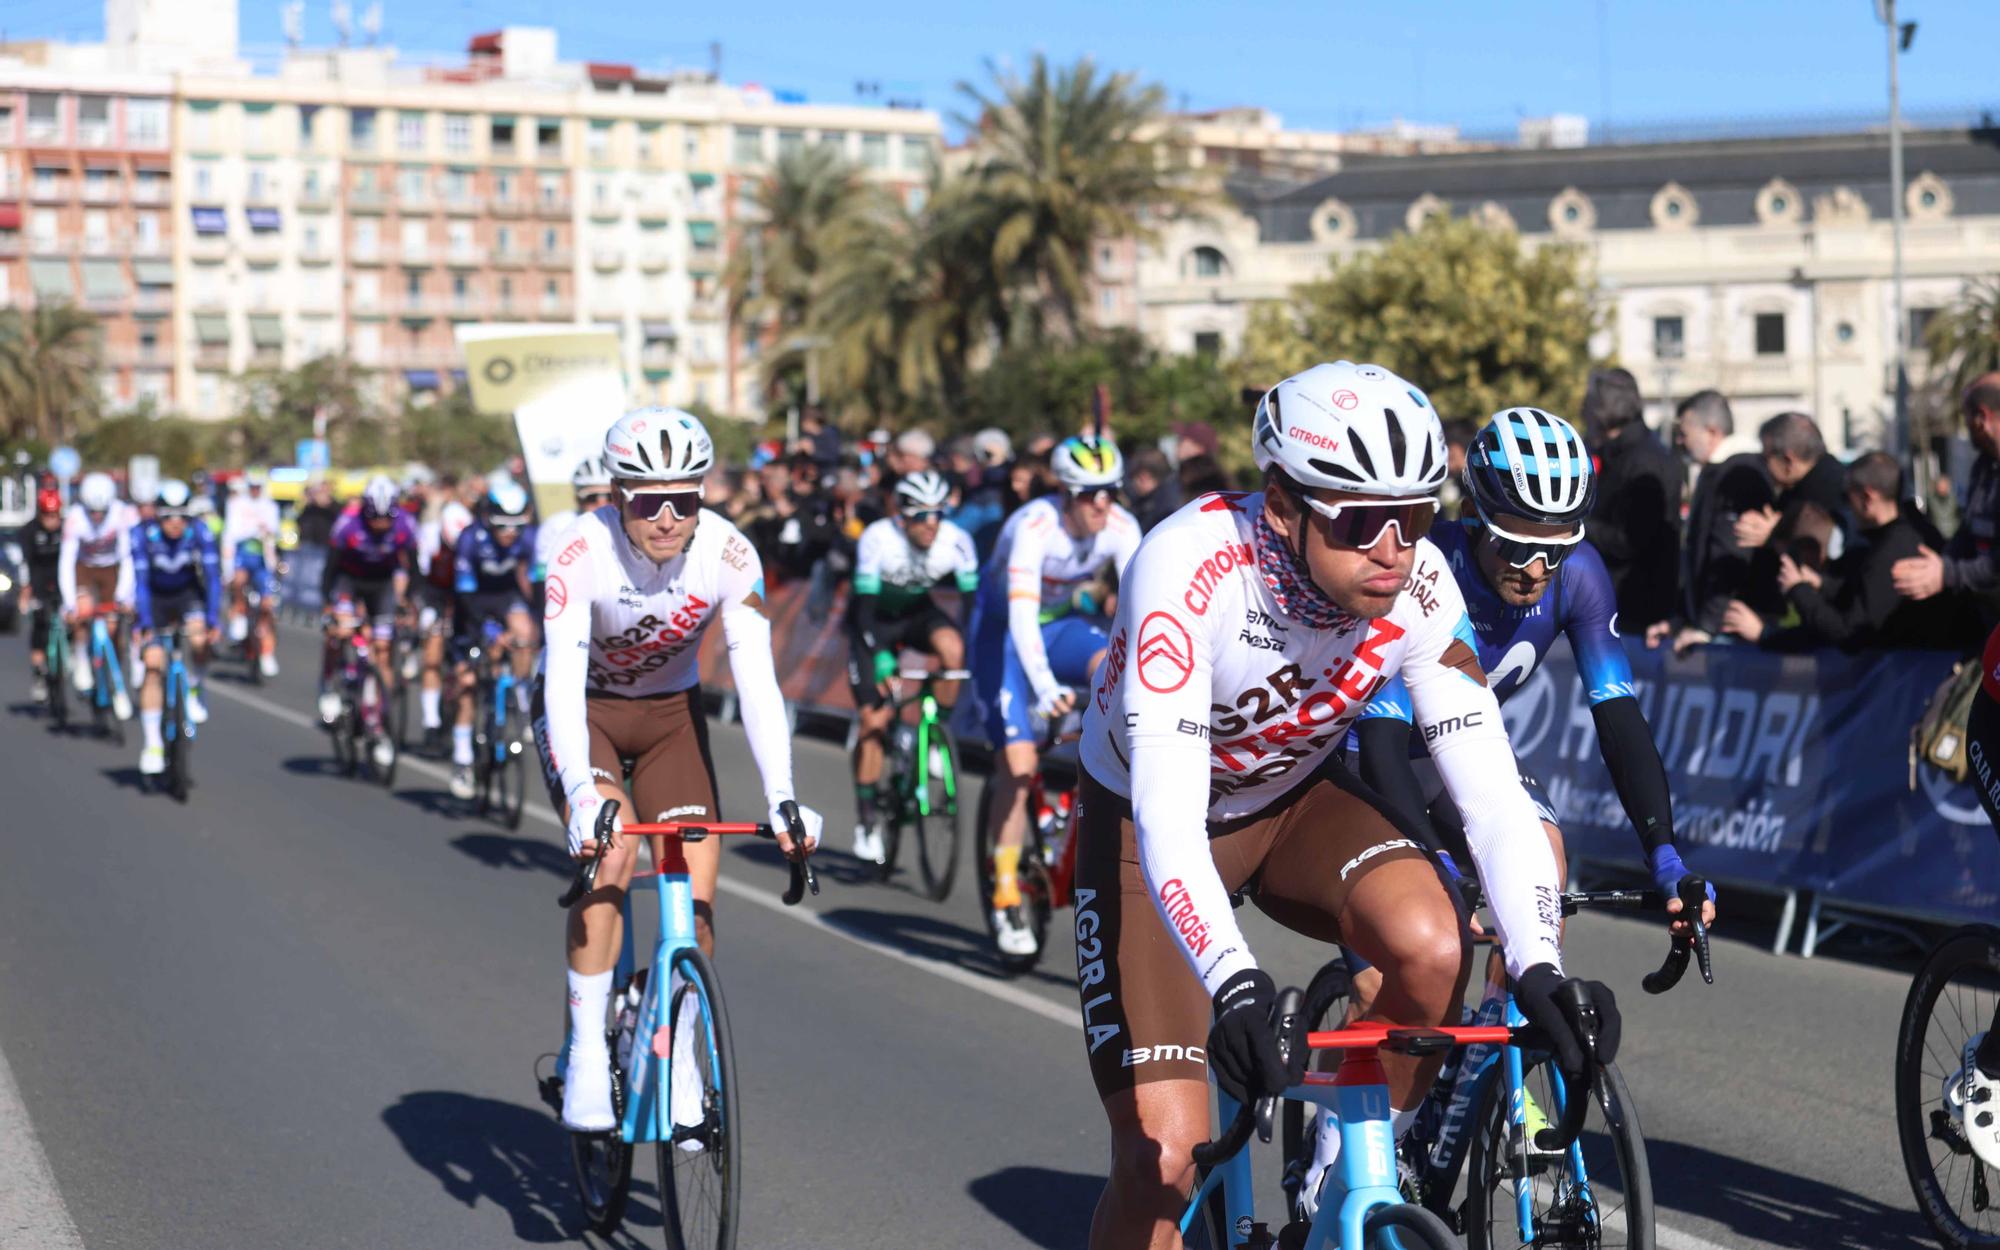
(1327, 65)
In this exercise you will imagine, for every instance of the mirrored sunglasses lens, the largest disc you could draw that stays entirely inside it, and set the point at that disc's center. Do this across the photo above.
(918, 518)
(1362, 526)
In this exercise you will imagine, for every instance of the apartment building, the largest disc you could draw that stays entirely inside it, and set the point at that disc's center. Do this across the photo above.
(348, 201)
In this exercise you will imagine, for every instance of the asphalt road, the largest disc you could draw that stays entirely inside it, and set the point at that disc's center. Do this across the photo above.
(306, 1011)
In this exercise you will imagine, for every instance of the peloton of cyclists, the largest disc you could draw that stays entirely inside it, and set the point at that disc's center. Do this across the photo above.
(898, 560)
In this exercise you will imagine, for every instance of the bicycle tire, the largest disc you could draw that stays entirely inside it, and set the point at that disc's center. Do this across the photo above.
(385, 775)
(346, 752)
(938, 834)
(894, 807)
(177, 742)
(1326, 991)
(512, 774)
(1618, 1123)
(1922, 1067)
(1415, 1227)
(58, 678)
(482, 750)
(602, 1162)
(714, 1222)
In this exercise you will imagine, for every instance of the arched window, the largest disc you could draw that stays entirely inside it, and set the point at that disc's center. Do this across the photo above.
(1207, 262)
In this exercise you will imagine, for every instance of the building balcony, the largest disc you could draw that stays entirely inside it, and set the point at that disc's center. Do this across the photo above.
(103, 191)
(153, 299)
(140, 356)
(51, 190)
(705, 309)
(656, 356)
(464, 257)
(208, 246)
(507, 207)
(266, 357)
(555, 307)
(313, 252)
(265, 246)
(420, 356)
(607, 256)
(511, 258)
(152, 191)
(263, 302)
(261, 197)
(152, 249)
(554, 258)
(415, 202)
(93, 134)
(316, 197)
(108, 305)
(652, 259)
(367, 200)
(10, 185)
(101, 244)
(462, 205)
(360, 254)
(10, 243)
(415, 254)
(209, 302)
(555, 207)
(212, 355)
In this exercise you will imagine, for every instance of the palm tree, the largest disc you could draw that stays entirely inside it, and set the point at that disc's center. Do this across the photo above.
(772, 273)
(1964, 339)
(49, 358)
(1059, 164)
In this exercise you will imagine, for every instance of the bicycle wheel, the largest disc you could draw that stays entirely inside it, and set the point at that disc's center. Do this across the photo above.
(346, 736)
(1610, 1206)
(938, 833)
(58, 679)
(175, 720)
(510, 774)
(1951, 1001)
(1414, 1229)
(700, 1188)
(375, 692)
(603, 1166)
(1326, 1007)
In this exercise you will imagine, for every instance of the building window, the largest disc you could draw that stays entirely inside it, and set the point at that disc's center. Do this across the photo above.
(1207, 262)
(146, 123)
(416, 239)
(501, 135)
(916, 152)
(413, 286)
(307, 114)
(551, 188)
(503, 187)
(361, 129)
(1770, 334)
(1669, 338)
(789, 142)
(258, 189)
(410, 132)
(598, 141)
(551, 241)
(1208, 344)
(1920, 324)
(503, 240)
(410, 185)
(548, 140)
(875, 151)
(204, 181)
(835, 139)
(457, 133)
(257, 128)
(648, 133)
(461, 239)
(506, 292)
(749, 146)
(44, 116)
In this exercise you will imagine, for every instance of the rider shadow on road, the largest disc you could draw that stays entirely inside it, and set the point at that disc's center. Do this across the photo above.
(835, 866)
(1781, 1208)
(508, 1155)
(1043, 1205)
(313, 766)
(435, 803)
(129, 778)
(497, 850)
(931, 938)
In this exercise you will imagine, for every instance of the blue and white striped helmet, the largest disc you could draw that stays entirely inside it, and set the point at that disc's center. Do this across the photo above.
(1530, 464)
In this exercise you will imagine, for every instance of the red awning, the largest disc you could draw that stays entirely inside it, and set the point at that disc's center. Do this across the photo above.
(10, 216)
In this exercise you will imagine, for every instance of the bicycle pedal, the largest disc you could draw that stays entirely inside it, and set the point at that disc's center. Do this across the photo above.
(551, 1089)
(1945, 1128)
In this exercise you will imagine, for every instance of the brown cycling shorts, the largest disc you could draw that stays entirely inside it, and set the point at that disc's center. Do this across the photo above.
(666, 737)
(1145, 1013)
(100, 582)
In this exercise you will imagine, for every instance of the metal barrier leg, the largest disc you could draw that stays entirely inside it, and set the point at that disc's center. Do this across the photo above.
(1811, 943)
(1785, 920)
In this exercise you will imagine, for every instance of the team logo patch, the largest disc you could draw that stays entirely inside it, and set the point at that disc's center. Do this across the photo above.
(558, 596)
(1166, 653)
(1345, 400)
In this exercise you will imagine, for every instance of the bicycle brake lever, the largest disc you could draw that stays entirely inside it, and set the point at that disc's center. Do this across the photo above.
(586, 877)
(803, 876)
(1693, 893)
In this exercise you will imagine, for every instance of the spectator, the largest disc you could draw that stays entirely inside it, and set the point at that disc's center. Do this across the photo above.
(721, 493)
(1968, 565)
(1944, 505)
(1458, 436)
(982, 502)
(912, 452)
(315, 529)
(1854, 604)
(1635, 525)
(1041, 446)
(1194, 438)
(994, 447)
(1200, 475)
(1152, 490)
(1809, 521)
(1715, 567)
(1029, 477)
(822, 440)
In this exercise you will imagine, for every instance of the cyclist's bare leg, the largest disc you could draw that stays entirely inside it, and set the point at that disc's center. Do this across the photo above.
(200, 647)
(433, 660)
(79, 635)
(704, 860)
(1399, 918)
(1154, 1130)
(596, 922)
(1007, 799)
(948, 645)
(152, 686)
(871, 730)
(521, 639)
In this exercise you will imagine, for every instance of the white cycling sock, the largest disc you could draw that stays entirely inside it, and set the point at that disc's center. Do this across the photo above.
(432, 719)
(589, 996)
(461, 745)
(1401, 1121)
(149, 724)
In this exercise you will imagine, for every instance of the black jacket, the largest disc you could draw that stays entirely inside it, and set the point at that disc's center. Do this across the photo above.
(315, 522)
(1635, 525)
(1810, 512)
(1857, 606)
(1716, 568)
(1971, 563)
(1150, 510)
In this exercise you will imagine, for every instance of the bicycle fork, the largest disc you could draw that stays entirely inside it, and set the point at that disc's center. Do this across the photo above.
(1518, 1132)
(106, 654)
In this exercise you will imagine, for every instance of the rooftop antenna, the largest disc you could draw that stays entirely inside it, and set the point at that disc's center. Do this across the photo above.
(295, 23)
(371, 22)
(343, 20)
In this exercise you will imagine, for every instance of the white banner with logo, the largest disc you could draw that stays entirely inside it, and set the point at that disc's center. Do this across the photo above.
(563, 386)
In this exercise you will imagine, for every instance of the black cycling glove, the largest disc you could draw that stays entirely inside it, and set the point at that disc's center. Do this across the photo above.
(1243, 1049)
(1557, 1005)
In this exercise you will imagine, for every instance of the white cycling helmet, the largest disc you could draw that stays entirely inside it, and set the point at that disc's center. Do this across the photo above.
(202, 504)
(1351, 427)
(97, 492)
(1086, 461)
(378, 498)
(922, 491)
(143, 493)
(590, 472)
(658, 445)
(174, 497)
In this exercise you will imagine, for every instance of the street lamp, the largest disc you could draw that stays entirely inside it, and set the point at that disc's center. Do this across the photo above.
(1901, 34)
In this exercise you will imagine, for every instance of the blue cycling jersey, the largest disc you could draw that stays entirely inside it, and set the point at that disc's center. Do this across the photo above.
(163, 567)
(1511, 641)
(483, 566)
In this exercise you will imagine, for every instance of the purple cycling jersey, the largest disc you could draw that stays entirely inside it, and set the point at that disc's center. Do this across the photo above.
(361, 552)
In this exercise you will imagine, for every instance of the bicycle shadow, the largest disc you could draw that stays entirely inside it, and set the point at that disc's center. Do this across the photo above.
(511, 1156)
(435, 803)
(1768, 1205)
(1045, 1206)
(831, 864)
(497, 850)
(931, 938)
(130, 779)
(313, 766)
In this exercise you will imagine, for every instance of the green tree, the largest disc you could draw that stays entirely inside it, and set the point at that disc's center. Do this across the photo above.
(279, 407)
(1460, 309)
(452, 436)
(49, 360)
(1059, 164)
(1963, 341)
(182, 445)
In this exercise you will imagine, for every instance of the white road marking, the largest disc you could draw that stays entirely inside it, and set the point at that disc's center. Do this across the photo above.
(32, 1213)
(1667, 1238)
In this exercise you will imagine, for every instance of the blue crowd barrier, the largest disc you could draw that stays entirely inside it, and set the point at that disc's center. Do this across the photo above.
(1790, 772)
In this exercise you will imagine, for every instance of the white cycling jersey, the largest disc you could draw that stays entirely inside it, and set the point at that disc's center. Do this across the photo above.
(886, 562)
(1212, 704)
(546, 533)
(243, 519)
(439, 536)
(97, 545)
(1038, 562)
(616, 623)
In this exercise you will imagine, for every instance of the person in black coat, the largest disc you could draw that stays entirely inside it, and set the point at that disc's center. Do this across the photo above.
(1969, 565)
(1636, 524)
(1715, 568)
(1854, 603)
(1808, 522)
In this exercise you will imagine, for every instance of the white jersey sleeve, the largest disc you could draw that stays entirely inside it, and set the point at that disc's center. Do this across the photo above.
(1460, 720)
(566, 637)
(747, 632)
(1024, 598)
(1166, 706)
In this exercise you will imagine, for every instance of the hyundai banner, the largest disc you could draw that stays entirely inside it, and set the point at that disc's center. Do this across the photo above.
(1788, 771)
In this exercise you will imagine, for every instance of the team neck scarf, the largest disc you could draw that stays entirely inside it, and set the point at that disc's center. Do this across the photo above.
(1291, 585)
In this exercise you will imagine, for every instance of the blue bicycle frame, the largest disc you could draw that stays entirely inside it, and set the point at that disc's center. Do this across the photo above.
(176, 688)
(102, 649)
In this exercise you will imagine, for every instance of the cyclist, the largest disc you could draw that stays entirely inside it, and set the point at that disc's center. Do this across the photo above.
(897, 561)
(249, 539)
(1038, 630)
(592, 483)
(1977, 1079)
(367, 574)
(1251, 629)
(632, 589)
(177, 577)
(41, 598)
(437, 549)
(491, 581)
(95, 569)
